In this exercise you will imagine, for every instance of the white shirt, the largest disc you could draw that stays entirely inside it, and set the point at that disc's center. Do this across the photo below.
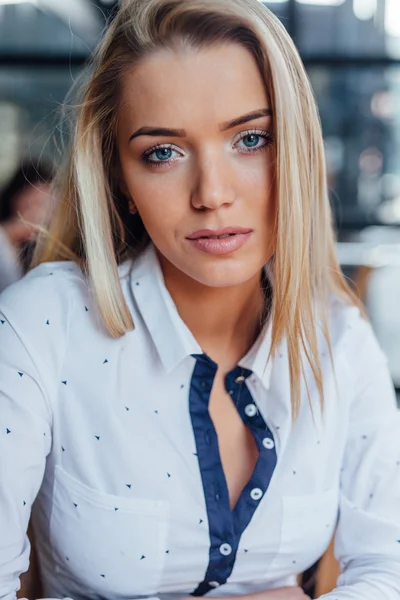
(114, 439)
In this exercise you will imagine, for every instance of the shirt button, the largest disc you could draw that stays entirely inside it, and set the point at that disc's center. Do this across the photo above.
(214, 584)
(225, 549)
(268, 443)
(239, 379)
(256, 494)
(250, 410)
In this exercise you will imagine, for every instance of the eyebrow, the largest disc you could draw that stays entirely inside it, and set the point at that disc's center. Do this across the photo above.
(162, 131)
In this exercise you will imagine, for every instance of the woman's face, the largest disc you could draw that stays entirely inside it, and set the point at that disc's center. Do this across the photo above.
(212, 175)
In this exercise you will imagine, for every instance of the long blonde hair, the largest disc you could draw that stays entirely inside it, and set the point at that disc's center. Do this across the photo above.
(92, 224)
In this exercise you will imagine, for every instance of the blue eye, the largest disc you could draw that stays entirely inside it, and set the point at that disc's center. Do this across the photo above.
(158, 155)
(163, 153)
(252, 140)
(255, 141)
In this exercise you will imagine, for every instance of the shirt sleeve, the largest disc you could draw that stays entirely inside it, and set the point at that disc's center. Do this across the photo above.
(25, 442)
(367, 542)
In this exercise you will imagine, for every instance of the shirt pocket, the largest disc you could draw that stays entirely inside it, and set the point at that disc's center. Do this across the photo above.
(105, 542)
(308, 524)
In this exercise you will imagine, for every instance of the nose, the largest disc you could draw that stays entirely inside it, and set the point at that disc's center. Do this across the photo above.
(213, 185)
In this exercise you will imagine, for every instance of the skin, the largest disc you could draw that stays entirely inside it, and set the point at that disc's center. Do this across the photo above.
(211, 183)
(210, 178)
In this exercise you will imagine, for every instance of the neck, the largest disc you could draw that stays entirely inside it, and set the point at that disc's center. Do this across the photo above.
(225, 321)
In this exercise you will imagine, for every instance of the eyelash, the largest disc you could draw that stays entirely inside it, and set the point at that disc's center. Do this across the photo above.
(267, 135)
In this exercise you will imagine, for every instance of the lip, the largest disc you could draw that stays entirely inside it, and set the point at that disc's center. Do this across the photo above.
(238, 236)
(206, 233)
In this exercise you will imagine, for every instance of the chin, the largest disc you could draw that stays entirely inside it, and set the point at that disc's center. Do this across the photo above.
(222, 276)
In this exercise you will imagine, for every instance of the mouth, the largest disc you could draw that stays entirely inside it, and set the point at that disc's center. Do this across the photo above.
(218, 234)
(220, 241)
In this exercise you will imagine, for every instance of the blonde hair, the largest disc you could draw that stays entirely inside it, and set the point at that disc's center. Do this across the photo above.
(92, 224)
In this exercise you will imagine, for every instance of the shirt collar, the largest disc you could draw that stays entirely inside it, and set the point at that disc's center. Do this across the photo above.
(173, 339)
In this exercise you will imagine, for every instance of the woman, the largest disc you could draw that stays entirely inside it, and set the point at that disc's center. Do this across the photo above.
(194, 396)
(23, 204)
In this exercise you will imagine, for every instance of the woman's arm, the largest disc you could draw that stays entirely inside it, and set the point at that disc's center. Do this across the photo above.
(367, 543)
(25, 440)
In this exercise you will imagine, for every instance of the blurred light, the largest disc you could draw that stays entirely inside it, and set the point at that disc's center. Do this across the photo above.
(322, 2)
(392, 18)
(371, 161)
(365, 9)
(389, 212)
(383, 105)
(2, 2)
(390, 185)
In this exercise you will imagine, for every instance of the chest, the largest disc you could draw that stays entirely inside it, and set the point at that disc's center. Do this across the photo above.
(237, 447)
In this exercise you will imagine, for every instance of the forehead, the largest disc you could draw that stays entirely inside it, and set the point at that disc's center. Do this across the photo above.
(171, 87)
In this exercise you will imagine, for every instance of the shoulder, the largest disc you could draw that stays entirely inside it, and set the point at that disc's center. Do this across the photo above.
(360, 363)
(351, 332)
(38, 308)
(51, 287)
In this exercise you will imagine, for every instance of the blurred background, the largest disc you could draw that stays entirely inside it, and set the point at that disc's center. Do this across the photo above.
(351, 49)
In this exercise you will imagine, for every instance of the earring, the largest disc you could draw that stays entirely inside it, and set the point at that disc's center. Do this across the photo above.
(132, 207)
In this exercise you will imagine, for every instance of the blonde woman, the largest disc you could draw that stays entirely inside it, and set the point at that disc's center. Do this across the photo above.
(191, 398)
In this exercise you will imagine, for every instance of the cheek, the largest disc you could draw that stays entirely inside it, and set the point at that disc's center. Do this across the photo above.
(256, 186)
(161, 206)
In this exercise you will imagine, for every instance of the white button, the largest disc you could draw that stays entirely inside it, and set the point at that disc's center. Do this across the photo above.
(256, 494)
(250, 410)
(225, 549)
(214, 584)
(268, 443)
